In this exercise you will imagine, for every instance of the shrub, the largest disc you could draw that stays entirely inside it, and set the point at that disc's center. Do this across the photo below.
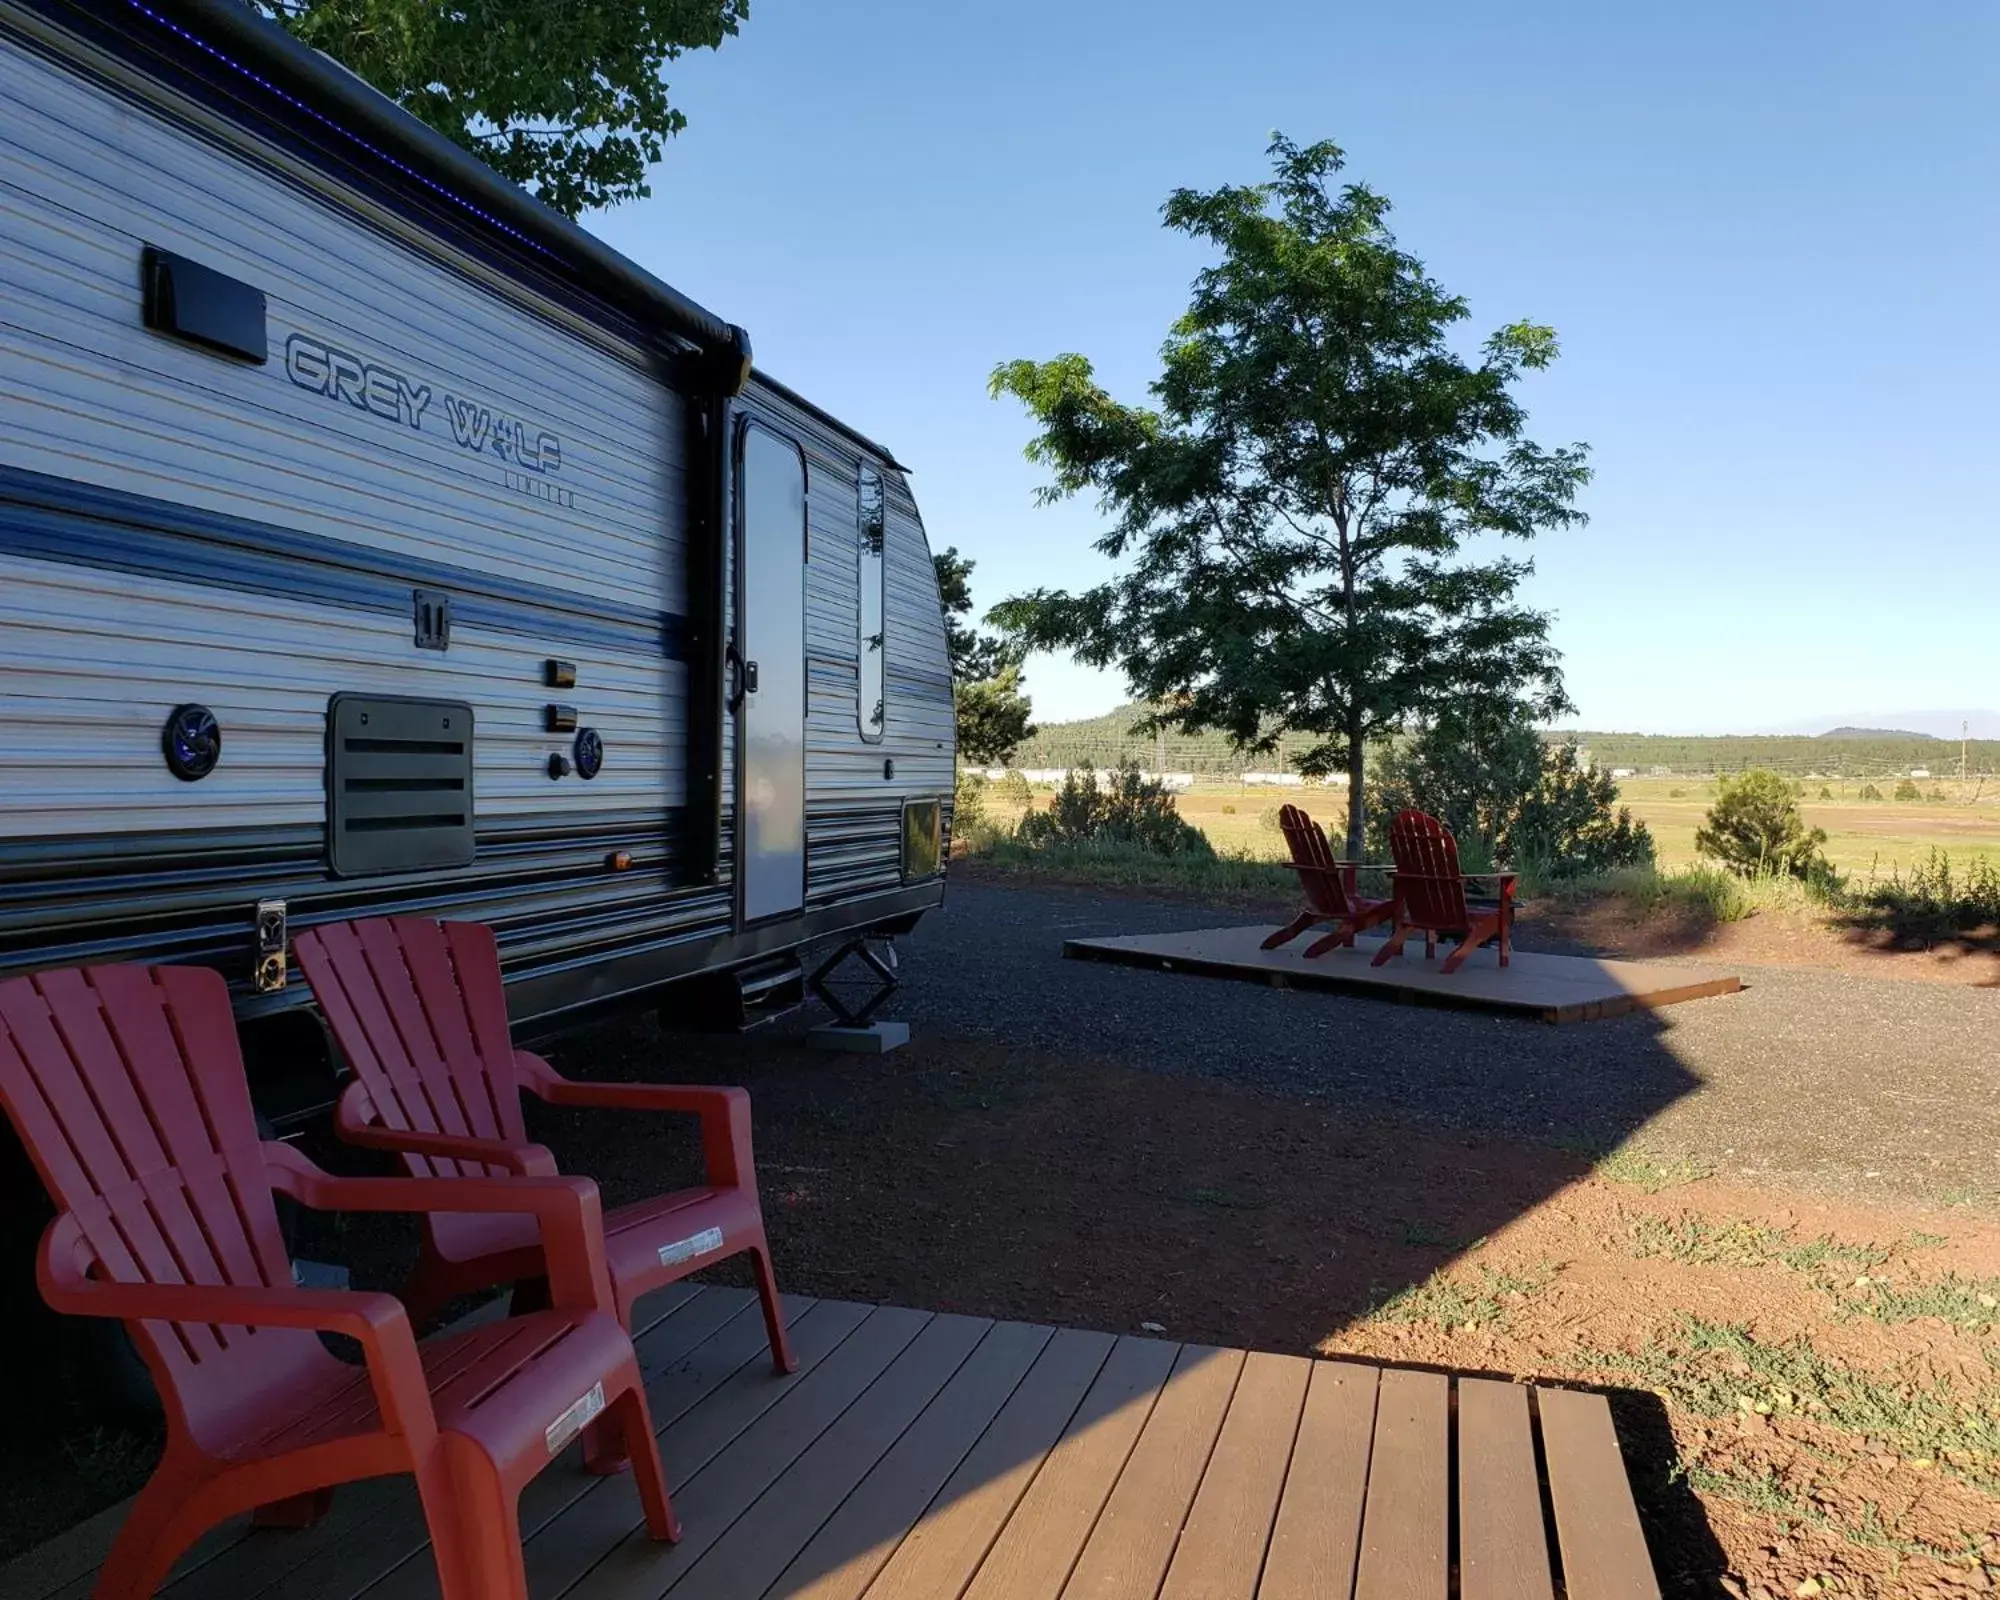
(1934, 902)
(1011, 789)
(1935, 794)
(1229, 811)
(1825, 793)
(1675, 794)
(1134, 811)
(1755, 830)
(970, 825)
(1870, 792)
(1907, 790)
(1511, 800)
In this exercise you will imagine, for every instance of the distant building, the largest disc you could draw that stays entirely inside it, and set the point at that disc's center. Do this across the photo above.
(1920, 772)
(1623, 772)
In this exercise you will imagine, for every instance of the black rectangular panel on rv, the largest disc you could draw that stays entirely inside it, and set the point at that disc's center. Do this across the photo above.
(184, 298)
(399, 784)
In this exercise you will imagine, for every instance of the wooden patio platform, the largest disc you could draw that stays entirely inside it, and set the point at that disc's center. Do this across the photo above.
(921, 1456)
(1549, 988)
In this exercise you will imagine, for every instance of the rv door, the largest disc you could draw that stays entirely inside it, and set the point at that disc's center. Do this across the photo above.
(769, 672)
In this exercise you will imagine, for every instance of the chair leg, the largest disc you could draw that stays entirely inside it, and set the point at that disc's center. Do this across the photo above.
(1290, 931)
(782, 1359)
(1475, 936)
(1342, 936)
(475, 1524)
(1430, 944)
(152, 1539)
(628, 1414)
(1391, 946)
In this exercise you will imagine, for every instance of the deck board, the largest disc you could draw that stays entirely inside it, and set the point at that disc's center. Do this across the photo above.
(1406, 1523)
(922, 1456)
(1127, 1553)
(1550, 988)
(1597, 1529)
(1503, 1551)
(858, 1541)
(1316, 1540)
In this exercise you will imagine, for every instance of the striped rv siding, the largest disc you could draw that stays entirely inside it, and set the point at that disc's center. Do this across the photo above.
(177, 526)
(854, 813)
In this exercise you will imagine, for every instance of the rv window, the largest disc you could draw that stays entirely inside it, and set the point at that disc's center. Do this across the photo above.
(871, 616)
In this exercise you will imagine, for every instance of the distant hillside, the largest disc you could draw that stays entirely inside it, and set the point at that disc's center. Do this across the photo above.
(1848, 751)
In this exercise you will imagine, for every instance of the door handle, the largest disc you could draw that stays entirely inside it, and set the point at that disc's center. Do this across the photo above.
(742, 676)
(732, 663)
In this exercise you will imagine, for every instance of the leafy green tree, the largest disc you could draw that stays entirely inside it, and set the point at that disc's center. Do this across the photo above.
(566, 99)
(1309, 516)
(1755, 829)
(1511, 798)
(992, 712)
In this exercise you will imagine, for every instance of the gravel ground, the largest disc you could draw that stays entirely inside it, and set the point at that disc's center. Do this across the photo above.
(1861, 1087)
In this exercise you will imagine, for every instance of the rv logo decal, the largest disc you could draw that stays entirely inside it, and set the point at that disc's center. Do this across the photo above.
(386, 393)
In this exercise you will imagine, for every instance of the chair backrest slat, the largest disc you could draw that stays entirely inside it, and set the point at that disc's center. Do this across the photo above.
(126, 1086)
(421, 1014)
(1428, 880)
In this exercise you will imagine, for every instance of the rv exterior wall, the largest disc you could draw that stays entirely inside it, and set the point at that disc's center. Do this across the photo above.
(179, 524)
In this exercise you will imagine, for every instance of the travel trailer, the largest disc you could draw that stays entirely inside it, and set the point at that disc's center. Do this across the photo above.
(372, 539)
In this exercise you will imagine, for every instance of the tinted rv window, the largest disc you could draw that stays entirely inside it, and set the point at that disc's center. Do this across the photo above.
(874, 527)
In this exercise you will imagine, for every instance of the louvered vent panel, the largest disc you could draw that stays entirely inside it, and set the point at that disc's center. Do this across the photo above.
(399, 784)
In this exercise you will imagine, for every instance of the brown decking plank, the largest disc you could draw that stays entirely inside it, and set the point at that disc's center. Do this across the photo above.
(940, 1554)
(1604, 1553)
(1127, 1553)
(1222, 1546)
(637, 1568)
(1405, 1524)
(569, 1544)
(747, 1558)
(846, 1554)
(1502, 1549)
(1317, 1536)
(1031, 1559)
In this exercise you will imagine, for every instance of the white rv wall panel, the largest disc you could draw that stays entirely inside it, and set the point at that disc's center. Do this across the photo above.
(92, 661)
(87, 179)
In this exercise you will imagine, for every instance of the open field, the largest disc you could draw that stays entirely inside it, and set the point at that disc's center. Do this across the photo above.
(1863, 836)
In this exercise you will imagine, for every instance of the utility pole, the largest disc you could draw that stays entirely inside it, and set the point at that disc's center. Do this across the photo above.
(1964, 728)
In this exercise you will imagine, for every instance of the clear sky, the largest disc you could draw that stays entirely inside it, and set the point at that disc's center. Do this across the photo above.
(1768, 235)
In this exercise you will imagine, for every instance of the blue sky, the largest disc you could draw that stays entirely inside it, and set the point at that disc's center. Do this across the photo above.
(1767, 235)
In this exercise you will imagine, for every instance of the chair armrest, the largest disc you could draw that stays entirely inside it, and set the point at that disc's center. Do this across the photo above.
(568, 1209)
(354, 1120)
(377, 1322)
(724, 1112)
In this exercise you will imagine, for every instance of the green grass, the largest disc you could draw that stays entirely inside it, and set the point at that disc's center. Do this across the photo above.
(1453, 1303)
(1421, 1234)
(1963, 1302)
(1652, 1173)
(1765, 1492)
(1715, 1369)
(1235, 877)
(1742, 1243)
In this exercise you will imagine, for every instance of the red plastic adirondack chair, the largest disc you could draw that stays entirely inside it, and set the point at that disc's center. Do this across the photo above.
(1430, 894)
(1329, 889)
(126, 1087)
(420, 1012)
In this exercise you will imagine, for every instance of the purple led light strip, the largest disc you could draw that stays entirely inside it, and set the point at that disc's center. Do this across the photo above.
(319, 116)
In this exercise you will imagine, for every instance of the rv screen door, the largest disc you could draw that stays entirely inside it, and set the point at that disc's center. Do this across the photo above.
(770, 674)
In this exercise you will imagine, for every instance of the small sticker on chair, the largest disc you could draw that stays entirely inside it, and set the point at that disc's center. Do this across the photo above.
(700, 1244)
(574, 1419)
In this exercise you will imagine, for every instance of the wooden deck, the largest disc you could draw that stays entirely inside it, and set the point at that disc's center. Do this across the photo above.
(1547, 987)
(921, 1456)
